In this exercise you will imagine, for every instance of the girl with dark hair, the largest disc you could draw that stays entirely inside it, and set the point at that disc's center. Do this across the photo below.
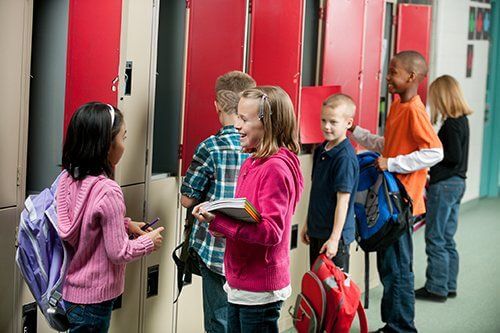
(91, 215)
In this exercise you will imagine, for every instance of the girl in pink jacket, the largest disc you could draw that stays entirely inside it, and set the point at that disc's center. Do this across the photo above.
(91, 218)
(257, 259)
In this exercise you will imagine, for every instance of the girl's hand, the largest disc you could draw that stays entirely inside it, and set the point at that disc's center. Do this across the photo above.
(202, 215)
(155, 236)
(134, 228)
(304, 236)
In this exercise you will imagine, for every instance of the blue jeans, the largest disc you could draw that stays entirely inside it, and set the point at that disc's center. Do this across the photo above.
(214, 300)
(254, 318)
(89, 318)
(441, 221)
(395, 268)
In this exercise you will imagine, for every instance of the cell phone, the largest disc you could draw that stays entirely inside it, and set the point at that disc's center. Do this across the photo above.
(150, 224)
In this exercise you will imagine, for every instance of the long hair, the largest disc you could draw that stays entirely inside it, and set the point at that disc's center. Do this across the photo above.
(278, 119)
(88, 140)
(446, 99)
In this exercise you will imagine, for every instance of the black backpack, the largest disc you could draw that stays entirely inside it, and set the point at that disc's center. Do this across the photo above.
(187, 262)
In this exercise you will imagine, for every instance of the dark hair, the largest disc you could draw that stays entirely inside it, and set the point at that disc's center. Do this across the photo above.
(88, 140)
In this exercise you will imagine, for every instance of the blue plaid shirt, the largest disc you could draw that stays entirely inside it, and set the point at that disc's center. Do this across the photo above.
(212, 175)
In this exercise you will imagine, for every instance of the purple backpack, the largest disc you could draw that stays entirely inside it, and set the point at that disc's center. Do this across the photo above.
(42, 256)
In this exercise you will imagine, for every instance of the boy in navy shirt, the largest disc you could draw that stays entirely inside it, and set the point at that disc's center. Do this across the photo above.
(330, 219)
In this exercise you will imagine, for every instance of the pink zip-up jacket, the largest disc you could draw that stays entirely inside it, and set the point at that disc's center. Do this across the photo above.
(91, 215)
(257, 256)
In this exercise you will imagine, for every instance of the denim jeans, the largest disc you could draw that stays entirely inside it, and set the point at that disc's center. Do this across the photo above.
(254, 318)
(89, 318)
(214, 300)
(441, 221)
(341, 260)
(395, 268)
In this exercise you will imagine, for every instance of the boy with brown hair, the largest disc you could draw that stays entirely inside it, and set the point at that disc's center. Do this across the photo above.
(408, 148)
(330, 224)
(212, 175)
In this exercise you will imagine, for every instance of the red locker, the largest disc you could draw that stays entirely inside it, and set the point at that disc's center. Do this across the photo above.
(93, 54)
(414, 33)
(311, 101)
(216, 39)
(369, 100)
(343, 46)
(276, 44)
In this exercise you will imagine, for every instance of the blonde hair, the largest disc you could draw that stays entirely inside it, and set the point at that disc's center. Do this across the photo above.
(336, 100)
(228, 88)
(446, 99)
(278, 119)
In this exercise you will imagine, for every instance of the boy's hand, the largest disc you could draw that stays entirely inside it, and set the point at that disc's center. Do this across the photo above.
(201, 214)
(381, 164)
(304, 236)
(330, 248)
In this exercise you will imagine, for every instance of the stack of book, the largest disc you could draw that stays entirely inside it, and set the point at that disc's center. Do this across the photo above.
(238, 208)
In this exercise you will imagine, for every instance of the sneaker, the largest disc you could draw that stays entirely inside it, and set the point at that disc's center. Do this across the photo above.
(380, 330)
(426, 295)
(452, 294)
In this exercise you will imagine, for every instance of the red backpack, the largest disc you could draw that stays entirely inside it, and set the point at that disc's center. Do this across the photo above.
(328, 302)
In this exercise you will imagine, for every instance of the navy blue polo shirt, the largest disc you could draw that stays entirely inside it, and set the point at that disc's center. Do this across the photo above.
(335, 170)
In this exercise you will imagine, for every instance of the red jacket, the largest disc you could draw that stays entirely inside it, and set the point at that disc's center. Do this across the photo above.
(258, 255)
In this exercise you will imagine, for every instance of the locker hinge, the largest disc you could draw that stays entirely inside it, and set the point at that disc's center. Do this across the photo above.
(18, 180)
(250, 5)
(188, 3)
(321, 13)
(144, 209)
(147, 155)
(180, 151)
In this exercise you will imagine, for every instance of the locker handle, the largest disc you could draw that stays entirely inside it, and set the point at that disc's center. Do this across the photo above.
(128, 78)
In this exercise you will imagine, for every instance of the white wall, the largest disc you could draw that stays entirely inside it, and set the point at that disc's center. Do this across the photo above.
(449, 56)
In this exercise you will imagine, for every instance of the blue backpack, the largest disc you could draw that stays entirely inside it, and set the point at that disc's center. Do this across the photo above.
(42, 257)
(383, 208)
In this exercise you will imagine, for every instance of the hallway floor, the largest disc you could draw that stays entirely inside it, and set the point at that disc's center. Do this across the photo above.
(477, 307)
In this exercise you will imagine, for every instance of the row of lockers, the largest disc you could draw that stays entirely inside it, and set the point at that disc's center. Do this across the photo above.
(158, 61)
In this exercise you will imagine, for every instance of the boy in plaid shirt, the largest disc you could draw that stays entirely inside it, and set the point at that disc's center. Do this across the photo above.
(212, 175)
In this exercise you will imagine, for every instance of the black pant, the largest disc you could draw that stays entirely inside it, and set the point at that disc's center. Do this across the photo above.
(341, 260)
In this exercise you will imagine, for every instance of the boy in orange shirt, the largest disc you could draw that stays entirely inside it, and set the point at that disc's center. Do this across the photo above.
(409, 147)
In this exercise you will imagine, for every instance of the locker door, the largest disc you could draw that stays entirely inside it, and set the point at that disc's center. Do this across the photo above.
(414, 33)
(371, 74)
(343, 46)
(93, 53)
(216, 39)
(8, 222)
(276, 44)
(134, 92)
(11, 94)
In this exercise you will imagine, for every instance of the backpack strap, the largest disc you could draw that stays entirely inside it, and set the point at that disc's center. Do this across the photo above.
(180, 270)
(363, 322)
(367, 279)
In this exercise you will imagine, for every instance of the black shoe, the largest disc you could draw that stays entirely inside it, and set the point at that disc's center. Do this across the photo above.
(452, 294)
(426, 295)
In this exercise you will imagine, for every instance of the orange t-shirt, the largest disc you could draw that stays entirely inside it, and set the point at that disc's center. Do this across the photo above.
(409, 129)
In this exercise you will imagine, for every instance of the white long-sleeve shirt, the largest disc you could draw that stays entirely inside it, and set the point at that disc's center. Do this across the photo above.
(420, 159)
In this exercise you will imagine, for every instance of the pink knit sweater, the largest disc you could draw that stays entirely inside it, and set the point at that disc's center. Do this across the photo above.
(258, 255)
(92, 222)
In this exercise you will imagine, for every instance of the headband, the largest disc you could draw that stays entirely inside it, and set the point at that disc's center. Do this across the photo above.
(112, 114)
